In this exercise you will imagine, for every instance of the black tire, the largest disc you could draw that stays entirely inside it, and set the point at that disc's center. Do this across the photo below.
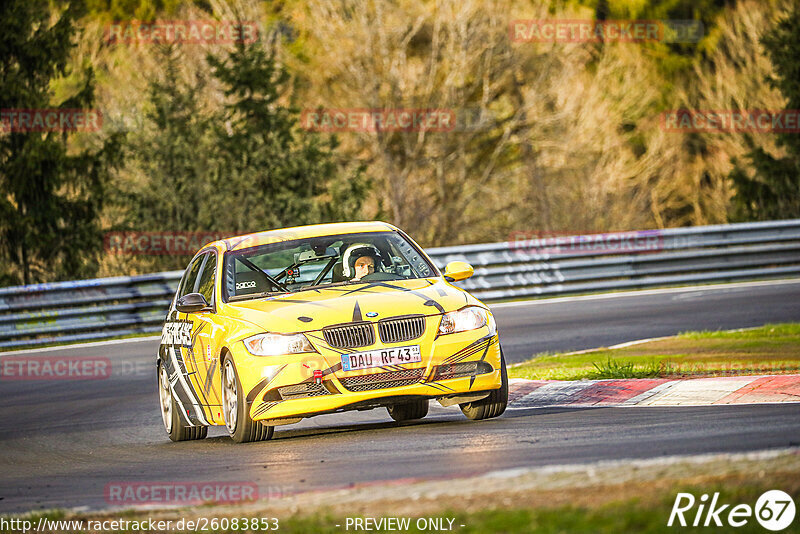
(243, 429)
(495, 404)
(173, 424)
(408, 411)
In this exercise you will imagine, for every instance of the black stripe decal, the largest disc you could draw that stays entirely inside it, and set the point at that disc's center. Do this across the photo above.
(262, 384)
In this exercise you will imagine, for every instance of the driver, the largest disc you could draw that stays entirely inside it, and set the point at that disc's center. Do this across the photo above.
(359, 260)
(364, 265)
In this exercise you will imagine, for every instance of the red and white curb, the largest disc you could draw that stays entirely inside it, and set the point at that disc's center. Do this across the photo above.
(653, 392)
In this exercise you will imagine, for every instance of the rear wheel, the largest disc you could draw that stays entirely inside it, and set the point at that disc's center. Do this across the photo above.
(170, 412)
(409, 411)
(241, 427)
(495, 404)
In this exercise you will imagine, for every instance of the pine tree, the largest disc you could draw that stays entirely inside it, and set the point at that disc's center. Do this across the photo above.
(50, 196)
(771, 187)
(170, 151)
(170, 158)
(270, 173)
(244, 168)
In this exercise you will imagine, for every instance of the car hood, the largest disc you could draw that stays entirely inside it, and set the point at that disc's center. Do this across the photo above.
(312, 310)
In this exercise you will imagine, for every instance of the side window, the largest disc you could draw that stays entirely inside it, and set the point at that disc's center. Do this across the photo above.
(190, 277)
(207, 277)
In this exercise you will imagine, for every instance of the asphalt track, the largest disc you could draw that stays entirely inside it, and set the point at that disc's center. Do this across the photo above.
(64, 441)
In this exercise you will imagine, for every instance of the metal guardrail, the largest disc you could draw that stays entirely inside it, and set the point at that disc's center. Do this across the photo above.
(523, 268)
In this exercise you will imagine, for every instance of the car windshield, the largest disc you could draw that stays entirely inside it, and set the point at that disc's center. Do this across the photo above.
(302, 264)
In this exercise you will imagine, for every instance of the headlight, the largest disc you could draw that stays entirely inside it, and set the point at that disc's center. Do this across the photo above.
(465, 319)
(277, 344)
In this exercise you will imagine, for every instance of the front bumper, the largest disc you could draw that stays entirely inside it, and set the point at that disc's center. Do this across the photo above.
(283, 389)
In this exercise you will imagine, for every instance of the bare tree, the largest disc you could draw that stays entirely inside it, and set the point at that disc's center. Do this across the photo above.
(453, 55)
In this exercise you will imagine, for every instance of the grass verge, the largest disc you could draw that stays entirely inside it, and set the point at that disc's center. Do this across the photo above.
(771, 349)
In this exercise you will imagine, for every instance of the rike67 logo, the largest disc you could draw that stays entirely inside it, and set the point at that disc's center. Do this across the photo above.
(774, 510)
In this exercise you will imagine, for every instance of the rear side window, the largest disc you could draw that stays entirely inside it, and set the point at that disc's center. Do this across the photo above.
(190, 278)
(207, 277)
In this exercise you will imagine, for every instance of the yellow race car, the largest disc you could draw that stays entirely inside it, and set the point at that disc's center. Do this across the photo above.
(268, 328)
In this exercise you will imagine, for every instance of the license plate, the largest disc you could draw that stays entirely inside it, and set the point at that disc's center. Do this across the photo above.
(381, 357)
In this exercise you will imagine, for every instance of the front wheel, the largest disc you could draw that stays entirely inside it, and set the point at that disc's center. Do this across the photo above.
(170, 412)
(495, 404)
(241, 427)
(408, 411)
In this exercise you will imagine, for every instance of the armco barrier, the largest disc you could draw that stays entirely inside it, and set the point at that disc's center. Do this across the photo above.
(110, 307)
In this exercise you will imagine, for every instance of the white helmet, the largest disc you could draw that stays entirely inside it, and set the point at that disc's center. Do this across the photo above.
(355, 251)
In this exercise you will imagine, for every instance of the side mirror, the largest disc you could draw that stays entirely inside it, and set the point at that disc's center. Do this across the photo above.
(193, 302)
(457, 270)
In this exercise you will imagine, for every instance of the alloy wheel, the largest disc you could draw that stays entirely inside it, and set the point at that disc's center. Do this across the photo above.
(230, 397)
(165, 397)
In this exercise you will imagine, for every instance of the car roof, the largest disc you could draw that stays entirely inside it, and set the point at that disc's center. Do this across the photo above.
(300, 232)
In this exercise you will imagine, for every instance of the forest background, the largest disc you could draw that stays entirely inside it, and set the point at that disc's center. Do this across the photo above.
(549, 137)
